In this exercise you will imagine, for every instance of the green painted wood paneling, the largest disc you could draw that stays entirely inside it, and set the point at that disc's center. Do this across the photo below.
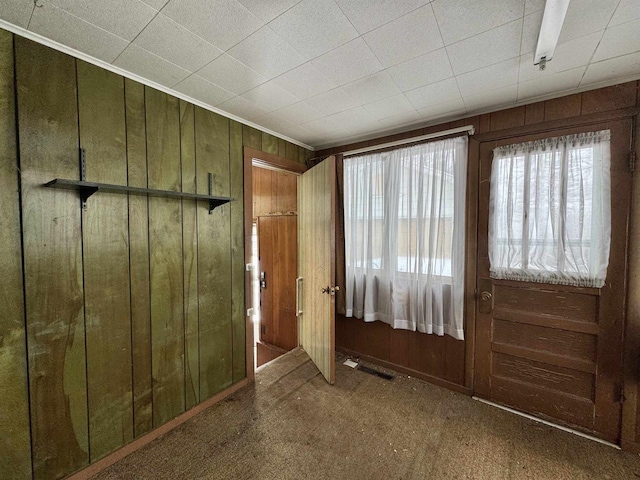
(139, 259)
(15, 442)
(190, 255)
(214, 255)
(236, 176)
(165, 246)
(252, 137)
(48, 129)
(105, 240)
(269, 143)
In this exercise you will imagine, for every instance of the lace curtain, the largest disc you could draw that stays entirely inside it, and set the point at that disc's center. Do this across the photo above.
(550, 210)
(405, 236)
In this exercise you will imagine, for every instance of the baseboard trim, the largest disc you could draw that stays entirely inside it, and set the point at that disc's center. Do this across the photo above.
(408, 371)
(147, 438)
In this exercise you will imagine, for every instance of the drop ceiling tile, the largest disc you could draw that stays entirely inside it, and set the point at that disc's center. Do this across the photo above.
(314, 27)
(401, 120)
(531, 6)
(423, 70)
(440, 92)
(356, 54)
(491, 47)
(451, 109)
(300, 133)
(332, 101)
(374, 87)
(585, 17)
(620, 68)
(575, 53)
(125, 18)
(627, 10)
(466, 18)
(270, 96)
(232, 75)
(200, 89)
(242, 108)
(530, 31)
(619, 40)
(351, 117)
(558, 82)
(223, 22)
(388, 107)
(273, 121)
(322, 126)
(267, 11)
(267, 53)
(74, 32)
(305, 81)
(168, 40)
(141, 62)
(494, 99)
(157, 4)
(407, 37)
(17, 12)
(299, 113)
(488, 78)
(366, 15)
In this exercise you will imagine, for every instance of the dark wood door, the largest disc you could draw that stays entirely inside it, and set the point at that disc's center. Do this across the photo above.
(278, 253)
(550, 350)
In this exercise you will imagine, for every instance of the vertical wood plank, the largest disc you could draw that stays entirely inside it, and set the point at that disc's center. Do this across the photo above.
(139, 259)
(14, 414)
(165, 246)
(48, 130)
(214, 259)
(252, 137)
(236, 178)
(282, 147)
(292, 151)
(269, 143)
(190, 255)
(106, 261)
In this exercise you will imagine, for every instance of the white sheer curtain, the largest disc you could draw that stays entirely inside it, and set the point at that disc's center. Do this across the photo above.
(405, 236)
(550, 210)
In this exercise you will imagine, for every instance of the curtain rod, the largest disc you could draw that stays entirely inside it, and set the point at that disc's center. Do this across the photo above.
(467, 128)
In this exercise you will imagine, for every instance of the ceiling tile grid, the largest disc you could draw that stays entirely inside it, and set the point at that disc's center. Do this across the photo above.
(324, 72)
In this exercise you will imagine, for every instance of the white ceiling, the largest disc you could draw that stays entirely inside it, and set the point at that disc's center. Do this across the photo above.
(325, 72)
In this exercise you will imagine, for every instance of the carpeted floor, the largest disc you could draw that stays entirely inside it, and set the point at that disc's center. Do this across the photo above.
(293, 425)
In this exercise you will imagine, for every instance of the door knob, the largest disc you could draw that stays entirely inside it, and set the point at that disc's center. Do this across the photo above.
(330, 290)
(485, 296)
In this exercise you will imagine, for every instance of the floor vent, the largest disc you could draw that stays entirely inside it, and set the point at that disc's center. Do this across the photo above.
(371, 371)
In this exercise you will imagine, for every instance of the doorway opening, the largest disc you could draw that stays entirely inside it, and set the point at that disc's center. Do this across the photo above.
(274, 250)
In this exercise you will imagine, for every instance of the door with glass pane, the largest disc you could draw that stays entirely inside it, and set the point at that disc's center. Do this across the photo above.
(554, 350)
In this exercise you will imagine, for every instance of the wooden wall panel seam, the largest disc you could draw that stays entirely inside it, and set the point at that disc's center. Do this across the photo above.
(84, 299)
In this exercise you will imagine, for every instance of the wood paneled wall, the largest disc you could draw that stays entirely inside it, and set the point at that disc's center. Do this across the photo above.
(274, 193)
(443, 359)
(119, 317)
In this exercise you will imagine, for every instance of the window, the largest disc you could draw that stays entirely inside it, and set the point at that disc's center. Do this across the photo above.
(404, 231)
(550, 210)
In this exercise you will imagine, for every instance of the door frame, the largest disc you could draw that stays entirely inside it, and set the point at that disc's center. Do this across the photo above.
(256, 158)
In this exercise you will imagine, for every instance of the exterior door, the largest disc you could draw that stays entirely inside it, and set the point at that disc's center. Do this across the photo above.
(278, 253)
(550, 350)
(316, 241)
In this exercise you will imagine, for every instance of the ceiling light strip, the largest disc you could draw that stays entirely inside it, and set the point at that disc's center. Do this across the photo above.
(469, 129)
(112, 68)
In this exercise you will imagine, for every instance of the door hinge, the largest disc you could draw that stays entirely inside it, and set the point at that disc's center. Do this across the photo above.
(632, 162)
(263, 330)
(619, 393)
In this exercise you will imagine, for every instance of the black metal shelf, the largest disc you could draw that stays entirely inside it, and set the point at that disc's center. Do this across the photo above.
(87, 189)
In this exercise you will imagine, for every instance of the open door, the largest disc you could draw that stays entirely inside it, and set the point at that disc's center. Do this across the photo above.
(316, 260)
